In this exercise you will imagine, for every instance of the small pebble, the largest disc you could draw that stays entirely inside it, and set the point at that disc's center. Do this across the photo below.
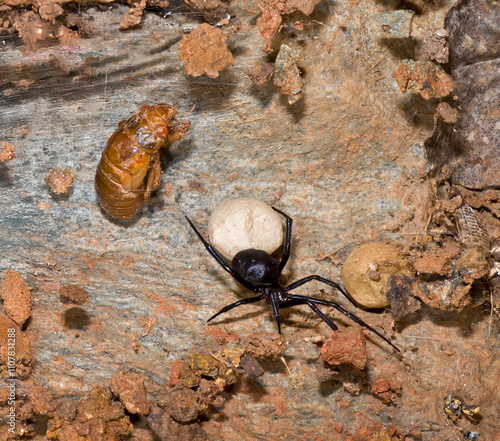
(59, 181)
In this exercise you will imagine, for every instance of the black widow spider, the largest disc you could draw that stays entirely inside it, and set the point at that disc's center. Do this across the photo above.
(260, 272)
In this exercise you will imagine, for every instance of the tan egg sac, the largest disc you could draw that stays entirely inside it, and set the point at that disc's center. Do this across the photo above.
(243, 223)
(366, 271)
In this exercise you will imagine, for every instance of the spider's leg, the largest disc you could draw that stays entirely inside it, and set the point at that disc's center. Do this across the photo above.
(215, 254)
(322, 280)
(276, 307)
(288, 239)
(343, 311)
(295, 302)
(238, 303)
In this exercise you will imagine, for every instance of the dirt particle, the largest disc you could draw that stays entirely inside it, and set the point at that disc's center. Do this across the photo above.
(131, 391)
(268, 24)
(426, 79)
(287, 75)
(208, 395)
(43, 205)
(6, 151)
(448, 113)
(142, 435)
(181, 404)
(24, 357)
(169, 429)
(383, 390)
(399, 292)
(133, 16)
(262, 345)
(205, 364)
(437, 262)
(32, 404)
(261, 74)
(86, 27)
(189, 378)
(73, 294)
(97, 417)
(436, 45)
(214, 12)
(175, 373)
(50, 11)
(270, 21)
(346, 346)
(59, 181)
(204, 51)
(16, 296)
(251, 367)
(222, 335)
(41, 400)
(37, 33)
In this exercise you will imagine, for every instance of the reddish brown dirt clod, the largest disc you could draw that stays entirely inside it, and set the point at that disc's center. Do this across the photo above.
(41, 400)
(222, 336)
(131, 391)
(268, 24)
(97, 417)
(31, 403)
(435, 263)
(270, 20)
(436, 45)
(214, 11)
(50, 11)
(181, 404)
(175, 374)
(169, 429)
(426, 79)
(208, 394)
(346, 346)
(448, 113)
(59, 181)
(142, 435)
(261, 74)
(205, 51)
(73, 294)
(382, 389)
(16, 296)
(189, 378)
(37, 33)
(262, 345)
(6, 151)
(22, 348)
(133, 16)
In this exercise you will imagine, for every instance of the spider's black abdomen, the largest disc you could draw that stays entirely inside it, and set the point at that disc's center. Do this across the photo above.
(257, 267)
